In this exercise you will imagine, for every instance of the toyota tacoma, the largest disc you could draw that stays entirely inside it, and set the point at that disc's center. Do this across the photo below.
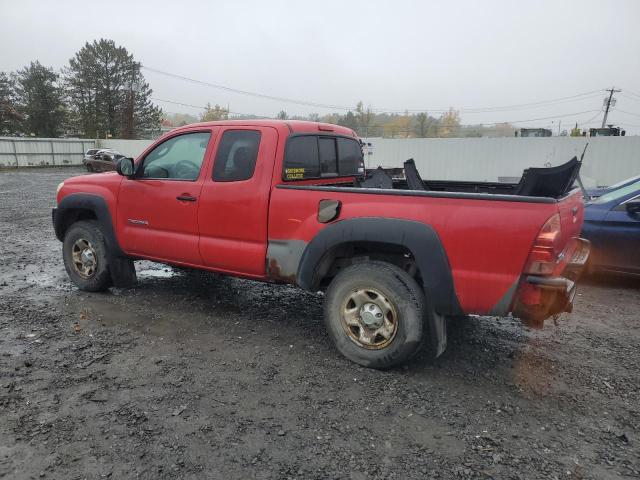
(291, 202)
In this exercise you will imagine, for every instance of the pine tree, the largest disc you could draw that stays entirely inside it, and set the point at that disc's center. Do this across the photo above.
(108, 93)
(40, 101)
(10, 117)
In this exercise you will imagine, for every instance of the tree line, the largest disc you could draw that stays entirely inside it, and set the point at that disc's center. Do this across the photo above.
(367, 123)
(100, 93)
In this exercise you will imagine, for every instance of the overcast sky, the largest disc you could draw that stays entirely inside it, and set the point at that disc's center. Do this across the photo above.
(392, 55)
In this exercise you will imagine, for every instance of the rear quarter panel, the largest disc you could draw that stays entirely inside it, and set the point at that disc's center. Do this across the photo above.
(571, 209)
(487, 242)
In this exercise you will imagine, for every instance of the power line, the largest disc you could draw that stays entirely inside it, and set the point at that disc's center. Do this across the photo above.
(246, 92)
(628, 113)
(204, 108)
(626, 90)
(537, 119)
(580, 96)
(591, 119)
(629, 97)
(627, 124)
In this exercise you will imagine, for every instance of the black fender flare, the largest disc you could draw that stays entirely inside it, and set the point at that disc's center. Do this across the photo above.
(419, 238)
(120, 265)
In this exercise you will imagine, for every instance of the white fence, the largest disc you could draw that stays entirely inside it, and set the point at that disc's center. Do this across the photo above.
(608, 159)
(27, 152)
(129, 148)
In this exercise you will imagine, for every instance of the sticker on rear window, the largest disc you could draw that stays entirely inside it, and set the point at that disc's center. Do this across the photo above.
(294, 173)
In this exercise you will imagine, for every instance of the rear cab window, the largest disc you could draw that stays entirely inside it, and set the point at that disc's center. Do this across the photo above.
(236, 156)
(309, 156)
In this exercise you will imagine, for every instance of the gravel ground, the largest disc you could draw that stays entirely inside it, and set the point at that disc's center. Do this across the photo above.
(192, 375)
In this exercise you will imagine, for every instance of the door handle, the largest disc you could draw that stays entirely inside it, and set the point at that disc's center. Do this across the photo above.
(186, 198)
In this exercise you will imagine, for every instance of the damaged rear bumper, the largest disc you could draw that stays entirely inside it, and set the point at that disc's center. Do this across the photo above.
(540, 297)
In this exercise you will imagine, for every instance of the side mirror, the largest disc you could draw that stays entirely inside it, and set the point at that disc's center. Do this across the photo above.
(124, 167)
(633, 207)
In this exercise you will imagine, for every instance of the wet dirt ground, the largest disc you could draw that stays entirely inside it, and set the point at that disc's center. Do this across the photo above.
(192, 375)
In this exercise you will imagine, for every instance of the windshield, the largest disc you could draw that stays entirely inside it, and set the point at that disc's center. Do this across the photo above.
(618, 193)
(622, 182)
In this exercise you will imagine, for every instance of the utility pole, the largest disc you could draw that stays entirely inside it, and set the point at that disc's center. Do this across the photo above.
(608, 104)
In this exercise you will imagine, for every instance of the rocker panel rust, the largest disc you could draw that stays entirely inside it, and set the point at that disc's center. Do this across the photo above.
(283, 259)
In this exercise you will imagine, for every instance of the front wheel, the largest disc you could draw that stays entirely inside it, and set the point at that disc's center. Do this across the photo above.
(85, 256)
(374, 313)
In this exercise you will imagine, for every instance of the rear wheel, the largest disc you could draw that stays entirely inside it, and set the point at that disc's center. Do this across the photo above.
(85, 256)
(374, 313)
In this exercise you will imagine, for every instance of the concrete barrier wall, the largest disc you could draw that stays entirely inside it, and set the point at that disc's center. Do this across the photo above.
(608, 159)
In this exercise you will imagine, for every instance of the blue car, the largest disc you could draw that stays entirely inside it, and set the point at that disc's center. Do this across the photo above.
(612, 224)
(597, 192)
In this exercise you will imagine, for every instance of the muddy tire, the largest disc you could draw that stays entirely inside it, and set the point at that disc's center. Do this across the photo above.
(374, 313)
(85, 256)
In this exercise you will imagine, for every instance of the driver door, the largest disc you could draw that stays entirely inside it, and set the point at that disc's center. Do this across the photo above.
(622, 236)
(157, 215)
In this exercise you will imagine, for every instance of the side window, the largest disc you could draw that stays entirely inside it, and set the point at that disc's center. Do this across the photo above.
(301, 158)
(328, 156)
(350, 154)
(236, 156)
(178, 158)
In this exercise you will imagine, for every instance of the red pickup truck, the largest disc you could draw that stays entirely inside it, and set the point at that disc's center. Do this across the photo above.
(289, 201)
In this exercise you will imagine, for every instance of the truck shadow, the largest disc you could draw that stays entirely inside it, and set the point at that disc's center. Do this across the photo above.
(206, 309)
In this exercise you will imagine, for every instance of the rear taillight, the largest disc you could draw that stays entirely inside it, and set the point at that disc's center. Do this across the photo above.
(544, 253)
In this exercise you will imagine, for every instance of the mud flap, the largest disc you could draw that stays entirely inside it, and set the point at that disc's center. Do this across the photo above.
(123, 272)
(438, 329)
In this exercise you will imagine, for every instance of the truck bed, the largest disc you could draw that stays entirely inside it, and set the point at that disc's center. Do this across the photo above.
(553, 182)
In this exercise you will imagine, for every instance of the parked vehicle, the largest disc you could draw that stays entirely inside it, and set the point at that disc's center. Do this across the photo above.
(594, 193)
(608, 131)
(287, 201)
(102, 160)
(88, 155)
(612, 224)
